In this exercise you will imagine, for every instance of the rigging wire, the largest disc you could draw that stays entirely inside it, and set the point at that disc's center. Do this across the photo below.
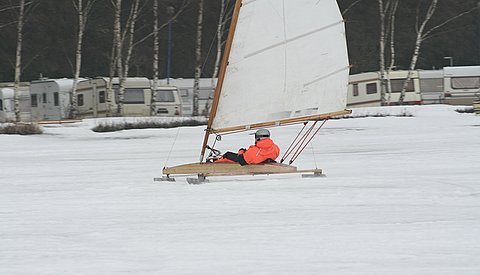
(300, 149)
(314, 157)
(300, 142)
(225, 12)
(171, 149)
(287, 152)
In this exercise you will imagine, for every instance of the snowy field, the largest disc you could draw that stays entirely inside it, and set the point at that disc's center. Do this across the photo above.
(401, 196)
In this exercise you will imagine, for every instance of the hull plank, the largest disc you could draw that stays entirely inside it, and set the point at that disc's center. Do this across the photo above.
(476, 107)
(229, 169)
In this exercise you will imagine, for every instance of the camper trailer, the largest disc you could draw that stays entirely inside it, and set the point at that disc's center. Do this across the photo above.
(7, 102)
(185, 88)
(431, 86)
(462, 84)
(167, 101)
(364, 89)
(92, 98)
(50, 99)
(137, 96)
(7, 105)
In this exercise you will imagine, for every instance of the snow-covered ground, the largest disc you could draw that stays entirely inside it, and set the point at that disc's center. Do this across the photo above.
(401, 196)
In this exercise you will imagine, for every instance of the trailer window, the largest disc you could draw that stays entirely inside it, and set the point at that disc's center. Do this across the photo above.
(165, 96)
(1, 105)
(101, 97)
(465, 82)
(205, 93)
(80, 100)
(355, 89)
(44, 98)
(34, 100)
(185, 96)
(397, 85)
(431, 85)
(56, 101)
(183, 92)
(133, 96)
(371, 88)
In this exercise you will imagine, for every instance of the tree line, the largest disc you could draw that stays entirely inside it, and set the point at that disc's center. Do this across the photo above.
(184, 38)
(51, 31)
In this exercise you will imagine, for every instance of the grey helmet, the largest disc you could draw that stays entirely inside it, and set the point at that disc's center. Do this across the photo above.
(261, 134)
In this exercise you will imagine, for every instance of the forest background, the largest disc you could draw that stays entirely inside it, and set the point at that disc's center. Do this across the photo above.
(50, 37)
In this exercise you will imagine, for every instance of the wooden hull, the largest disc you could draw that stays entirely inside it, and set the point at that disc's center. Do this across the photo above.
(476, 107)
(231, 169)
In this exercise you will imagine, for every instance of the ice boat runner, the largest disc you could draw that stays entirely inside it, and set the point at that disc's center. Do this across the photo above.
(287, 58)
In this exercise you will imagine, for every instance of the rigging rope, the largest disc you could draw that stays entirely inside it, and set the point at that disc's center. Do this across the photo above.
(314, 158)
(300, 149)
(296, 143)
(287, 152)
(171, 149)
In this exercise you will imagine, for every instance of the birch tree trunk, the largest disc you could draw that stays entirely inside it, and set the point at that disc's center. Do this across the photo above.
(110, 92)
(392, 22)
(198, 59)
(418, 43)
(18, 60)
(345, 11)
(220, 29)
(383, 78)
(133, 19)
(155, 56)
(118, 55)
(83, 12)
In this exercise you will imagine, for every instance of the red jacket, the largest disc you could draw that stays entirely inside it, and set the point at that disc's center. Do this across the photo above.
(261, 151)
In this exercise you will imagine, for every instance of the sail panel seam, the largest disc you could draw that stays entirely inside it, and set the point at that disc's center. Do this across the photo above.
(293, 39)
(246, 2)
(326, 76)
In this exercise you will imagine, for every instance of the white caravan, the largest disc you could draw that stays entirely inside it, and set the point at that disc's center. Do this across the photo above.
(167, 101)
(462, 84)
(92, 98)
(7, 102)
(431, 86)
(185, 88)
(364, 89)
(7, 105)
(137, 96)
(50, 99)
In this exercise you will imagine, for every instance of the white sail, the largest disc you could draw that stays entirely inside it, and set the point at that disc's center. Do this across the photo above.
(288, 60)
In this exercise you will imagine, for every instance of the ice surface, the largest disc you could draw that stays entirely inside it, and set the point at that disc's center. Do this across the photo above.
(401, 196)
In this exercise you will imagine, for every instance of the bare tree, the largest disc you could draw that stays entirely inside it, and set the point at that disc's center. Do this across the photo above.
(118, 46)
(391, 32)
(172, 15)
(130, 36)
(383, 9)
(155, 56)
(18, 59)
(350, 6)
(198, 59)
(420, 37)
(220, 31)
(8, 23)
(422, 34)
(82, 11)
(179, 11)
(123, 47)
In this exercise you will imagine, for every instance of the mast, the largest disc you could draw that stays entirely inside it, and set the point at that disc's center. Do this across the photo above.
(221, 77)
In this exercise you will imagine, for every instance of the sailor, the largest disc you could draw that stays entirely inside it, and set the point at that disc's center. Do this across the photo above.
(264, 150)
